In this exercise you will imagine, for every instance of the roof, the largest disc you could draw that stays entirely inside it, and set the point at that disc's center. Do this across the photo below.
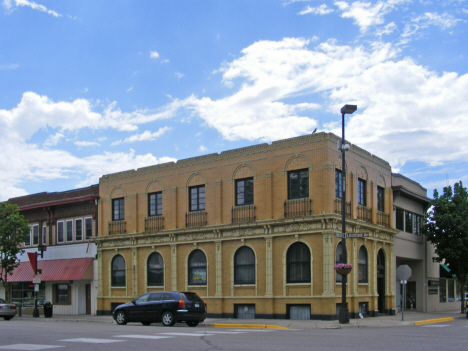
(55, 270)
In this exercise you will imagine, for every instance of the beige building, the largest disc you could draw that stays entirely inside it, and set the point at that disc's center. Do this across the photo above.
(254, 231)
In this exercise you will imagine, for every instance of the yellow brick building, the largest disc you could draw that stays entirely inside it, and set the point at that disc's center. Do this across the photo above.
(254, 231)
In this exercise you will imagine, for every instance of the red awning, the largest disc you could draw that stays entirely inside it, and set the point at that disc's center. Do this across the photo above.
(71, 269)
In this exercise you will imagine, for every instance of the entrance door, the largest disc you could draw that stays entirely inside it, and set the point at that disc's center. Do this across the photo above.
(381, 281)
(88, 298)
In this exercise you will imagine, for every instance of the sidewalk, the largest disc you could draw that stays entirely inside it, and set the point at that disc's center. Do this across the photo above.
(410, 318)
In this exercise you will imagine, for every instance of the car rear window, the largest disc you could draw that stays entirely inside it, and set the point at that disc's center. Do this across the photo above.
(2, 301)
(188, 296)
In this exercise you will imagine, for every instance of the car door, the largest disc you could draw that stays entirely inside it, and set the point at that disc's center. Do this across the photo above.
(153, 307)
(136, 312)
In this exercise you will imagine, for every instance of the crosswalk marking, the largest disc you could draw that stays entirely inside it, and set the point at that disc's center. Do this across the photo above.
(185, 334)
(92, 340)
(225, 332)
(28, 347)
(143, 336)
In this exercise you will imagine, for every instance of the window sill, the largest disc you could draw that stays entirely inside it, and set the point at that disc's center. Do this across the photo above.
(118, 287)
(299, 284)
(244, 285)
(197, 286)
(367, 283)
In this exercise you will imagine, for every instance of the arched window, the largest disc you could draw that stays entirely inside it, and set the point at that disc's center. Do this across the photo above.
(298, 263)
(339, 259)
(155, 270)
(118, 271)
(244, 266)
(197, 268)
(362, 265)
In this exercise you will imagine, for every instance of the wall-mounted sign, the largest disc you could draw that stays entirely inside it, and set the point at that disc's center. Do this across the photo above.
(433, 291)
(353, 235)
(434, 282)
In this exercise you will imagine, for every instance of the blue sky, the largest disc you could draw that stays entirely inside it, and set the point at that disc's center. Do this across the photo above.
(95, 87)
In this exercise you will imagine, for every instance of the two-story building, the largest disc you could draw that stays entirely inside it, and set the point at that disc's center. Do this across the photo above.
(254, 231)
(65, 223)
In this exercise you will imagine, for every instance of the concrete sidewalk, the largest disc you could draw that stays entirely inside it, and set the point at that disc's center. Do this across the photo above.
(410, 318)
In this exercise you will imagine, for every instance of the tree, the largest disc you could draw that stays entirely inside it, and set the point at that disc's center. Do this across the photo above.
(447, 230)
(13, 232)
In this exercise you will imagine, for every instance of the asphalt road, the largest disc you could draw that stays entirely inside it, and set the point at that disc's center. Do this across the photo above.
(27, 335)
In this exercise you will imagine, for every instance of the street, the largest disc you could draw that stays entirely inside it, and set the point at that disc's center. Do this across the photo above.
(32, 335)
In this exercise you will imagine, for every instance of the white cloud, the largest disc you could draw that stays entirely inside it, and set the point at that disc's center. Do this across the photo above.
(145, 136)
(202, 148)
(86, 143)
(8, 67)
(9, 6)
(53, 140)
(179, 75)
(154, 54)
(320, 10)
(443, 21)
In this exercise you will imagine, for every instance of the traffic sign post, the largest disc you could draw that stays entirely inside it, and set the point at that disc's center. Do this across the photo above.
(403, 273)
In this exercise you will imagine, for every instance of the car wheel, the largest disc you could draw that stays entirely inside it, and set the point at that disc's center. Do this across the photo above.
(7, 318)
(146, 323)
(167, 319)
(121, 318)
(192, 323)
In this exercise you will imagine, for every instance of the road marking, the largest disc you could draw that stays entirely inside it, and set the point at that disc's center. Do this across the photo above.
(142, 336)
(92, 341)
(435, 326)
(185, 334)
(225, 332)
(28, 347)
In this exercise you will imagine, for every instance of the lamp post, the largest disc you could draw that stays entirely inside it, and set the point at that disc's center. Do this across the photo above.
(344, 316)
(37, 271)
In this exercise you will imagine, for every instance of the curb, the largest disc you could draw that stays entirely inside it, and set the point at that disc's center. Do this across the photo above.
(249, 326)
(430, 321)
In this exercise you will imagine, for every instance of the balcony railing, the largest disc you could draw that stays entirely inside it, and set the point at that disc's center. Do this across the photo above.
(195, 219)
(243, 214)
(338, 207)
(364, 213)
(154, 223)
(383, 219)
(117, 227)
(297, 208)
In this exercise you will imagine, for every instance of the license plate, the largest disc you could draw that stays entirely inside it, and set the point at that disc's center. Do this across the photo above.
(197, 305)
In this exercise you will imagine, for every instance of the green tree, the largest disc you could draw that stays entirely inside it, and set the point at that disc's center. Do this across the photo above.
(13, 231)
(447, 230)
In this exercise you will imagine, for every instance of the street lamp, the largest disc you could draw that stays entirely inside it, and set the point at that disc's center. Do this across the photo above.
(37, 271)
(344, 316)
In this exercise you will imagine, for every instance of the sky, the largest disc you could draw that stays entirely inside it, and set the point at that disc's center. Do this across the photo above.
(89, 88)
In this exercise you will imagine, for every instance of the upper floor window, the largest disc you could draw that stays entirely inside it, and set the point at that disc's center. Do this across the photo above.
(400, 220)
(78, 229)
(362, 196)
(88, 228)
(197, 268)
(298, 263)
(60, 232)
(197, 198)
(155, 270)
(417, 224)
(118, 271)
(338, 183)
(244, 192)
(380, 199)
(118, 209)
(244, 266)
(70, 230)
(298, 184)
(408, 222)
(154, 204)
(362, 265)
(35, 234)
(44, 235)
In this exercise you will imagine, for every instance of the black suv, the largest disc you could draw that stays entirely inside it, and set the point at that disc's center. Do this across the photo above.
(167, 307)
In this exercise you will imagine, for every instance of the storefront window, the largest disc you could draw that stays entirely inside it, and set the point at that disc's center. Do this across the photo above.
(451, 290)
(443, 290)
(22, 293)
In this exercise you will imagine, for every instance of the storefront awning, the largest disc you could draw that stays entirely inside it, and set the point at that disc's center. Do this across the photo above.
(54, 270)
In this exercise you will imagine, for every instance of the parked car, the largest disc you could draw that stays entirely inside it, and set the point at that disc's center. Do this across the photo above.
(7, 310)
(167, 307)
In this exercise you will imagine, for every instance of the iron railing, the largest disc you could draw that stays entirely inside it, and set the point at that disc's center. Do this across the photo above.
(338, 207)
(195, 219)
(117, 227)
(243, 214)
(297, 208)
(364, 213)
(154, 223)
(383, 219)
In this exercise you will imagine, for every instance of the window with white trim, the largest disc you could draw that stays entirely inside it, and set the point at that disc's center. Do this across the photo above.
(78, 229)
(88, 228)
(70, 230)
(44, 235)
(35, 234)
(60, 237)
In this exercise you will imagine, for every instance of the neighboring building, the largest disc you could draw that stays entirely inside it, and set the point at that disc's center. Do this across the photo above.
(254, 231)
(431, 287)
(64, 222)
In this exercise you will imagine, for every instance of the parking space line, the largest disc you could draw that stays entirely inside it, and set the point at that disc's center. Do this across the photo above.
(92, 340)
(28, 347)
(143, 336)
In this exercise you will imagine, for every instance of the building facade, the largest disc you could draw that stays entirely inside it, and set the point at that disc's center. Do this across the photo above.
(65, 224)
(254, 231)
(431, 287)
